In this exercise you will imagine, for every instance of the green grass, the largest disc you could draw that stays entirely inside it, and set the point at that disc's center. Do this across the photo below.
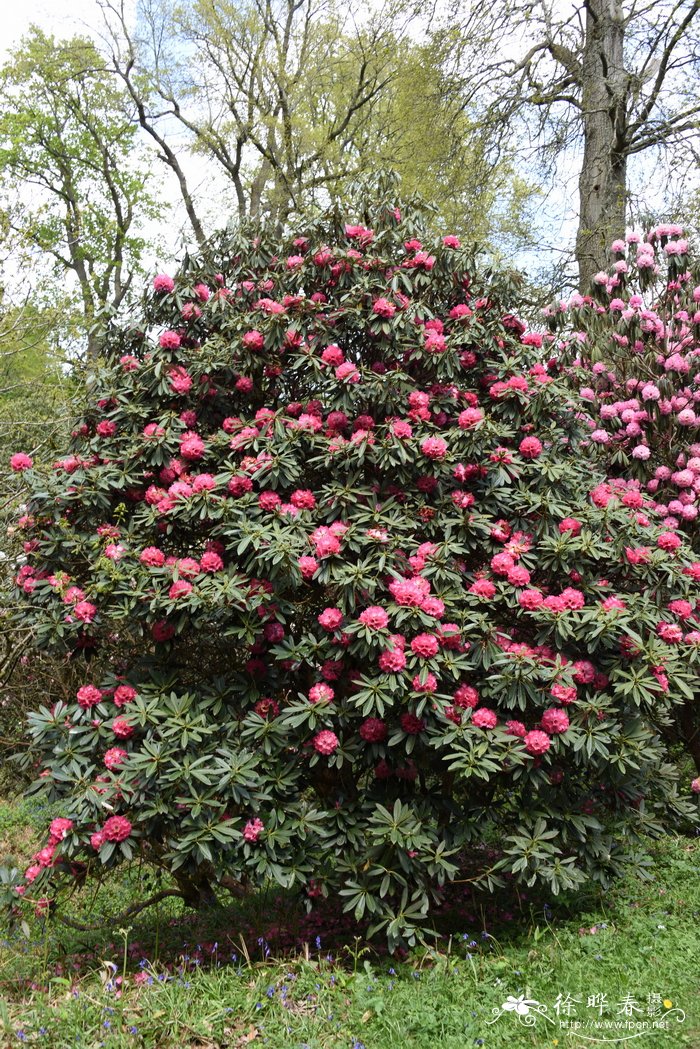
(151, 987)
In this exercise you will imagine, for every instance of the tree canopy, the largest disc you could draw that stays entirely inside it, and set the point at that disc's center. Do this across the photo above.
(73, 175)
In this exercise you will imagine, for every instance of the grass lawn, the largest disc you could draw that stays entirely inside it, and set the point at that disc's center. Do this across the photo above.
(627, 960)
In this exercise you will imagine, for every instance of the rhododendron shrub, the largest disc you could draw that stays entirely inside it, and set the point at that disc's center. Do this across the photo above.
(633, 353)
(634, 350)
(352, 607)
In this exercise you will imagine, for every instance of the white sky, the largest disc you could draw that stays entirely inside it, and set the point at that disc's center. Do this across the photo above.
(61, 17)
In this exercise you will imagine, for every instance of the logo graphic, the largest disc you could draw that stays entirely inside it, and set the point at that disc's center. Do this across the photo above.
(599, 1020)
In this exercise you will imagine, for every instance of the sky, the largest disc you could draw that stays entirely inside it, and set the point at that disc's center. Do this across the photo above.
(61, 17)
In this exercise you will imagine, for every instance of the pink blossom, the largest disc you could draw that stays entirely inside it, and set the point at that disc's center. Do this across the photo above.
(383, 308)
(433, 606)
(117, 828)
(584, 672)
(267, 707)
(333, 355)
(361, 234)
(303, 499)
(434, 447)
(669, 632)
(470, 418)
(502, 563)
(180, 588)
(163, 284)
(374, 617)
(114, 757)
(239, 485)
(124, 694)
(330, 619)
(253, 829)
(170, 340)
(253, 340)
(180, 380)
(203, 483)
(269, 501)
(327, 545)
(326, 742)
(537, 742)
(435, 342)
(114, 552)
(530, 599)
(59, 829)
(152, 556)
(192, 446)
(483, 588)
(88, 696)
(518, 576)
(308, 567)
(211, 562)
(21, 461)
(122, 729)
(484, 718)
(669, 541)
(401, 429)
(677, 363)
(425, 645)
(162, 630)
(554, 720)
(411, 724)
(347, 371)
(153, 430)
(187, 567)
(373, 730)
(565, 694)
(270, 306)
(85, 611)
(530, 448)
(321, 693)
(409, 592)
(392, 661)
(516, 728)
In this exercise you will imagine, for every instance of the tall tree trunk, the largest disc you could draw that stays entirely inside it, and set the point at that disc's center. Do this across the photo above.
(603, 179)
